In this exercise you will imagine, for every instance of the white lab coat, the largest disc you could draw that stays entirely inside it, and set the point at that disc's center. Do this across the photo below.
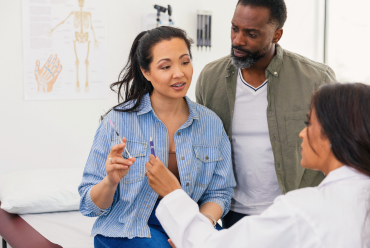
(330, 215)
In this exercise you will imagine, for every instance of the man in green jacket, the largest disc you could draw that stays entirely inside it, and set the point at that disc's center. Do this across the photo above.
(262, 94)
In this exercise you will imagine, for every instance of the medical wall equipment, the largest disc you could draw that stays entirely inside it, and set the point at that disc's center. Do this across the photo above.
(204, 20)
(169, 9)
(153, 20)
(159, 10)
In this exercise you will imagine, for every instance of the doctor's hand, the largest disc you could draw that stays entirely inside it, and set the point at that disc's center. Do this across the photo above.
(160, 179)
(116, 166)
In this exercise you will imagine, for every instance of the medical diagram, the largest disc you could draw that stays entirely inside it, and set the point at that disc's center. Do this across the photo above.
(72, 33)
(47, 75)
(82, 19)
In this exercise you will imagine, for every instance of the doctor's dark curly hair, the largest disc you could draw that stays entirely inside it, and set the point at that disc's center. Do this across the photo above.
(278, 11)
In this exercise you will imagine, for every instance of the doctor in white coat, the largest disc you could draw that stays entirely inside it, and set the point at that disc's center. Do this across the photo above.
(336, 141)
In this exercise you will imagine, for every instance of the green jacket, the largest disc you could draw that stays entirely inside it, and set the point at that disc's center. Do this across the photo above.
(292, 80)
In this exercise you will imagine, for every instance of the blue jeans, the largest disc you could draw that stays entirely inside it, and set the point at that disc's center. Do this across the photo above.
(159, 237)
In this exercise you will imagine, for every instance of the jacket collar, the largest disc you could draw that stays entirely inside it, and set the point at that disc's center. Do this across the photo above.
(146, 106)
(342, 173)
(276, 62)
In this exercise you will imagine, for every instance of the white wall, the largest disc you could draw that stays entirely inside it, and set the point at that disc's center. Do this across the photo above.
(348, 40)
(40, 134)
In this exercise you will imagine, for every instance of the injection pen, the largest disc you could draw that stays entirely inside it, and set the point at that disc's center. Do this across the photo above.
(111, 123)
(152, 147)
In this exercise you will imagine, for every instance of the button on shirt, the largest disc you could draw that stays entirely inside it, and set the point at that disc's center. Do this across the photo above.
(330, 215)
(203, 158)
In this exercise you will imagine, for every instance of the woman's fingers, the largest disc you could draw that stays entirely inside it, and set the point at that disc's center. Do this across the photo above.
(122, 161)
(119, 163)
(119, 167)
(117, 150)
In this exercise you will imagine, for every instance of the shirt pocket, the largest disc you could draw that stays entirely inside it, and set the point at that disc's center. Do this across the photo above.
(138, 151)
(294, 124)
(206, 159)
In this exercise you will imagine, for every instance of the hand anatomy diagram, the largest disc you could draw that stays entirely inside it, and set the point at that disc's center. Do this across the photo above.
(48, 74)
(82, 20)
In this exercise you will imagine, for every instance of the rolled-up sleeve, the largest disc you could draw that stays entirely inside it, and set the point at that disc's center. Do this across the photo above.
(94, 173)
(221, 188)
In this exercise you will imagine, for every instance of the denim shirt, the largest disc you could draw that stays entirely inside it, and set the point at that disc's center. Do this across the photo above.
(203, 157)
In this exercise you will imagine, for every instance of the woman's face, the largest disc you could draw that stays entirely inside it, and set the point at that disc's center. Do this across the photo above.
(316, 150)
(171, 70)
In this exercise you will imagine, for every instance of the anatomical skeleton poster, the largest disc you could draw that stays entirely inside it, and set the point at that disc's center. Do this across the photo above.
(64, 49)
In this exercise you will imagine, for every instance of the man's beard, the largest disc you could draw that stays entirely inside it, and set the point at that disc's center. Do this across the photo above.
(248, 60)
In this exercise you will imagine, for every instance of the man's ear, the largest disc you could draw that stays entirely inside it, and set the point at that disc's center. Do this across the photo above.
(146, 74)
(277, 35)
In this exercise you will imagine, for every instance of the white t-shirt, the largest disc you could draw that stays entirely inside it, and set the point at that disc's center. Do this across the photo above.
(253, 159)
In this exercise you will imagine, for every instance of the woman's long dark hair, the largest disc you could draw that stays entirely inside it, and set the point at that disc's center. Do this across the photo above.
(343, 111)
(131, 80)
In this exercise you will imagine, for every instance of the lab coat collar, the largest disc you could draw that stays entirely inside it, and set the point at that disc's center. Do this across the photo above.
(341, 173)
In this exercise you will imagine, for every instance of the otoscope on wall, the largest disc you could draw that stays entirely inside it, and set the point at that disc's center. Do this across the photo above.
(159, 10)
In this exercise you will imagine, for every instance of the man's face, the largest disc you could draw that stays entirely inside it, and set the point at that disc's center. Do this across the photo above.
(251, 35)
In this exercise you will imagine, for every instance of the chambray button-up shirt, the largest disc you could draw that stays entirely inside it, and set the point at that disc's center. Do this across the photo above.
(203, 156)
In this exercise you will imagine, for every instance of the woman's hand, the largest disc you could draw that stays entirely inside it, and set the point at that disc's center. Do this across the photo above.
(161, 180)
(117, 167)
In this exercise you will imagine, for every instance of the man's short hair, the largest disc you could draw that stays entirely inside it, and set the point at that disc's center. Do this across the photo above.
(278, 12)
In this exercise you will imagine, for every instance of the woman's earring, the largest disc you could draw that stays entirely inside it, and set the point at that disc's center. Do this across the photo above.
(330, 146)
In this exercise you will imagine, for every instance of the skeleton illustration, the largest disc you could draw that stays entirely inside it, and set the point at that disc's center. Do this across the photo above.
(82, 20)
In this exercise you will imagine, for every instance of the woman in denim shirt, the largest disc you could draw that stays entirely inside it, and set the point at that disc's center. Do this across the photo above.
(188, 138)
